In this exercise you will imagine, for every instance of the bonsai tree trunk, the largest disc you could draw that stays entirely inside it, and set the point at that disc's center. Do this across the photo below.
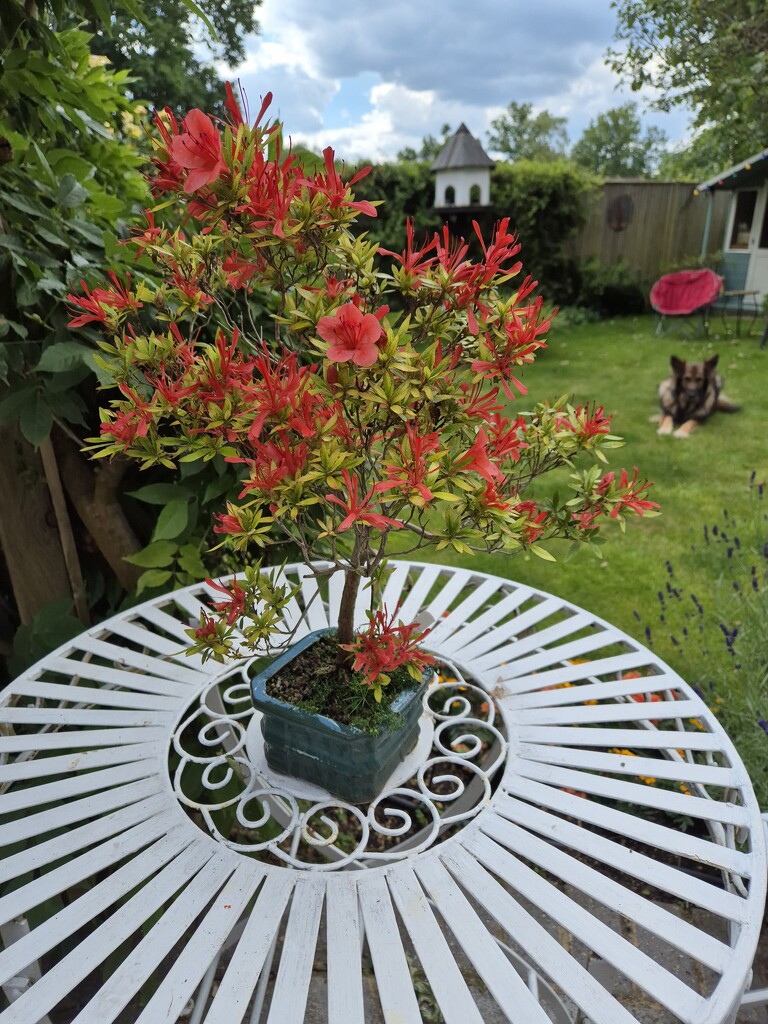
(347, 610)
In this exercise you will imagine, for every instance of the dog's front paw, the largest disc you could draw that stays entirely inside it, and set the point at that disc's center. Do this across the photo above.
(664, 430)
(680, 433)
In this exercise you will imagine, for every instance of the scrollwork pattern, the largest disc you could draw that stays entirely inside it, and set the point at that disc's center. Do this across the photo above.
(235, 801)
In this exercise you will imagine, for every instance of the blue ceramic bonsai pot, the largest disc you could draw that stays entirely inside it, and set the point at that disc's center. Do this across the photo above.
(351, 764)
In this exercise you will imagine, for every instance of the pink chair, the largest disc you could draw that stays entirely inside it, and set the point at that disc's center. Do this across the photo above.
(685, 293)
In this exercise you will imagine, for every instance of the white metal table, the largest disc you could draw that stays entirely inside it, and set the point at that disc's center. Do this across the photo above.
(143, 836)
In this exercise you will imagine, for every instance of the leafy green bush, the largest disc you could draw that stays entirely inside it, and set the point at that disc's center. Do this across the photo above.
(616, 290)
(547, 204)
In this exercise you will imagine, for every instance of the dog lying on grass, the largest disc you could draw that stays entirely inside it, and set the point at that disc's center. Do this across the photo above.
(690, 396)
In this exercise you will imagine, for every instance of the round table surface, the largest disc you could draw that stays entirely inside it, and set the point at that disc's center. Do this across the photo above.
(573, 820)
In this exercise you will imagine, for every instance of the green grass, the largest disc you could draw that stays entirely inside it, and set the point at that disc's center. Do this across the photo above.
(700, 482)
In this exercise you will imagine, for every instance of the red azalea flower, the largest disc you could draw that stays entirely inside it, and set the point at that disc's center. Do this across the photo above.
(476, 459)
(357, 510)
(353, 335)
(234, 606)
(198, 150)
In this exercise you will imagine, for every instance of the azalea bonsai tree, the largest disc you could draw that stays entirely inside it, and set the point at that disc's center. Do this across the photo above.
(372, 409)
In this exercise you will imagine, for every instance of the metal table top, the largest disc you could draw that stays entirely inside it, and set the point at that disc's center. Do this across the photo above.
(150, 858)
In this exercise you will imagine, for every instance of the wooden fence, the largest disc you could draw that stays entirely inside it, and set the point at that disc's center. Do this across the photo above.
(650, 225)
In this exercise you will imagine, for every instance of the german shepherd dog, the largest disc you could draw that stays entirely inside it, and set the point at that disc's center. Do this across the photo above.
(690, 396)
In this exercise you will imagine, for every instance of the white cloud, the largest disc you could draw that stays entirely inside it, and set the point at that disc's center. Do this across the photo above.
(370, 79)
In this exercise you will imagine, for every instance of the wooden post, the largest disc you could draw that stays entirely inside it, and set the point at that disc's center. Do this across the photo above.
(28, 534)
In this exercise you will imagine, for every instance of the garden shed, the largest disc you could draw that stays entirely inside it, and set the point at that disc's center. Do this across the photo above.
(462, 171)
(745, 244)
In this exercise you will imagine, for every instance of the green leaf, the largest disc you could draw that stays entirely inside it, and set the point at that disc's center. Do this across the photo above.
(71, 193)
(153, 578)
(35, 420)
(172, 520)
(51, 285)
(14, 402)
(6, 325)
(65, 355)
(160, 494)
(190, 562)
(542, 553)
(154, 556)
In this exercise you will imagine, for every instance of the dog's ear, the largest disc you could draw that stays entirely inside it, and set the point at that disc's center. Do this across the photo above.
(710, 364)
(678, 366)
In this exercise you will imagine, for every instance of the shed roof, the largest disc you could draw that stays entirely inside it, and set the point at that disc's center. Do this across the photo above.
(752, 171)
(461, 150)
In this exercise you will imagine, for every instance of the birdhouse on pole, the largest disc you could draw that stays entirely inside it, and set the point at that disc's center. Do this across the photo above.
(462, 173)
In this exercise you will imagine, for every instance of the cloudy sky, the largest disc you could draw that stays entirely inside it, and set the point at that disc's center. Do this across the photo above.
(369, 78)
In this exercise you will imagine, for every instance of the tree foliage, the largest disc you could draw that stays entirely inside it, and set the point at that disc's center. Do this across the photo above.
(162, 50)
(70, 182)
(615, 146)
(547, 204)
(430, 147)
(519, 135)
(408, 191)
(707, 55)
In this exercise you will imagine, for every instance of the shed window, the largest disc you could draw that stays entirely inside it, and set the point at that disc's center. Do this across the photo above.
(474, 195)
(742, 219)
(450, 196)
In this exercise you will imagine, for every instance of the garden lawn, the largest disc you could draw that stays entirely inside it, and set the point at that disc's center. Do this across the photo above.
(700, 482)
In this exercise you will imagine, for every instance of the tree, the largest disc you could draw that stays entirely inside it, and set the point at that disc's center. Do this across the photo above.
(430, 147)
(162, 52)
(614, 145)
(710, 56)
(518, 135)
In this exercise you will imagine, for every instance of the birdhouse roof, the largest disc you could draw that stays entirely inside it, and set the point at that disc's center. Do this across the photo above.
(461, 150)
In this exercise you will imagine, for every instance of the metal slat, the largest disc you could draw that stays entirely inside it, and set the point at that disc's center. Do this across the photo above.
(692, 941)
(289, 998)
(99, 696)
(452, 584)
(230, 885)
(502, 980)
(413, 602)
(93, 950)
(66, 845)
(64, 815)
(246, 963)
(85, 717)
(313, 602)
(121, 656)
(479, 636)
(519, 680)
(112, 850)
(449, 988)
(83, 740)
(671, 840)
(344, 945)
(630, 711)
(687, 887)
(82, 912)
(531, 651)
(87, 782)
(654, 739)
(393, 978)
(112, 675)
(579, 693)
(675, 769)
(635, 793)
(543, 948)
(457, 617)
(46, 767)
(607, 943)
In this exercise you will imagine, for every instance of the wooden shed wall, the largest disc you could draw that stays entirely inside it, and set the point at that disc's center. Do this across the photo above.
(666, 225)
